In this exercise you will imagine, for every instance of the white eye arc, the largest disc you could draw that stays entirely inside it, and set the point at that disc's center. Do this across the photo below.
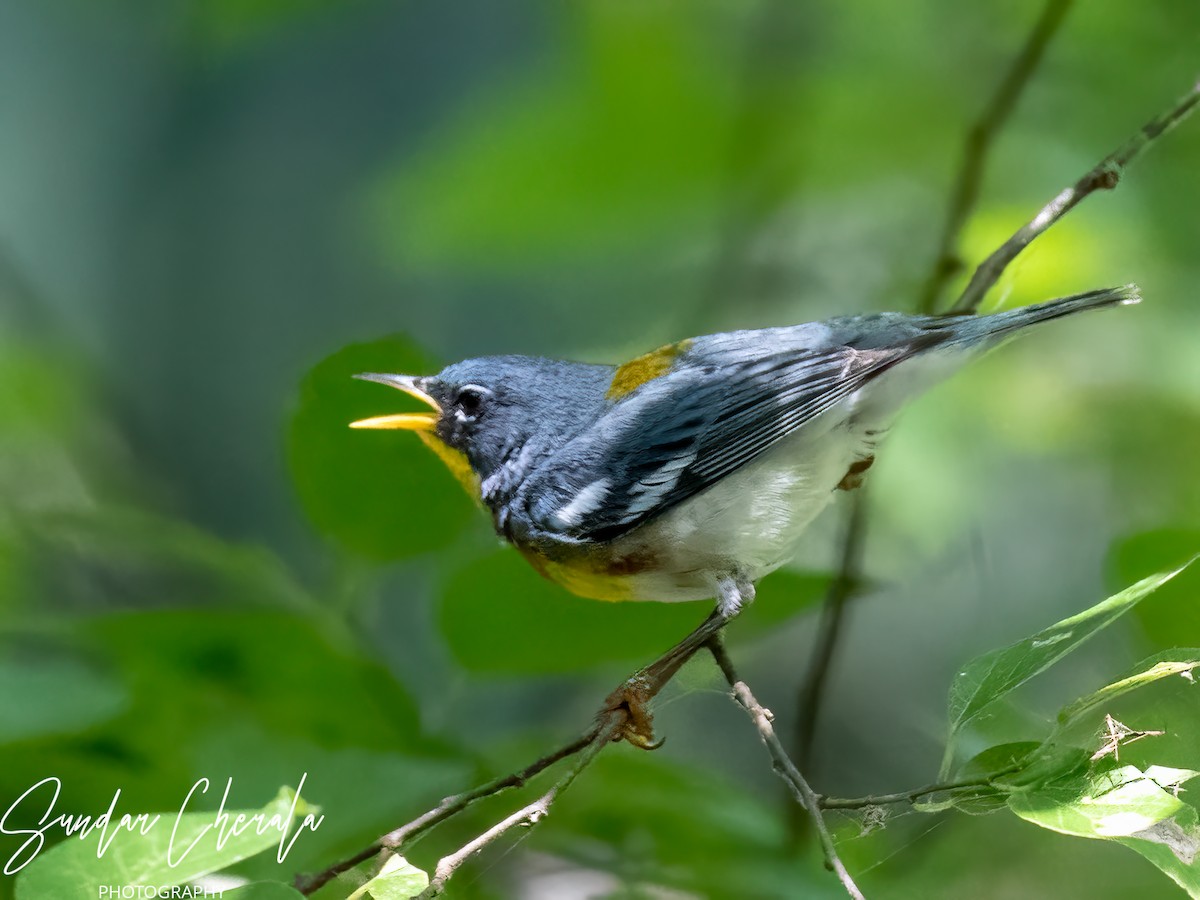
(469, 401)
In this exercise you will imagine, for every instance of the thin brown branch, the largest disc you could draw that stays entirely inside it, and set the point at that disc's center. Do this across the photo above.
(829, 632)
(978, 145)
(782, 763)
(411, 831)
(606, 732)
(627, 707)
(910, 796)
(1105, 176)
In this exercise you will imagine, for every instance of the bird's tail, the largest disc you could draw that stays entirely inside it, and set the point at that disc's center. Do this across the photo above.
(1002, 324)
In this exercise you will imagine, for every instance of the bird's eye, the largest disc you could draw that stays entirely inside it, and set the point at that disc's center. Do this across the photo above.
(470, 399)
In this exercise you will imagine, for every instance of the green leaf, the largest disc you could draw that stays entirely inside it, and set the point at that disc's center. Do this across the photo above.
(546, 629)
(989, 677)
(1116, 803)
(397, 880)
(1173, 845)
(380, 494)
(172, 849)
(1000, 762)
(1141, 810)
(1162, 665)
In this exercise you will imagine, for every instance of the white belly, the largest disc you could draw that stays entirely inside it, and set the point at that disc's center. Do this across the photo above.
(750, 521)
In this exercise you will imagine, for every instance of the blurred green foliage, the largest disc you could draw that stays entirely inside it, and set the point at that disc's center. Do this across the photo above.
(211, 214)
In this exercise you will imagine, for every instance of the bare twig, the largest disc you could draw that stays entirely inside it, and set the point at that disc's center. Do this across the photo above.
(624, 715)
(606, 732)
(782, 763)
(411, 831)
(1105, 176)
(978, 144)
(910, 796)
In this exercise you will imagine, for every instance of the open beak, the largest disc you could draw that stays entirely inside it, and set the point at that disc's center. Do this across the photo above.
(421, 421)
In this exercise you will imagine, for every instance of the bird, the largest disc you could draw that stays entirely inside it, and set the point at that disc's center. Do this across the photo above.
(692, 471)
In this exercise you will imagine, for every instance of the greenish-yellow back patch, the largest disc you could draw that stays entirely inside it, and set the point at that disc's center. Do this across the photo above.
(645, 368)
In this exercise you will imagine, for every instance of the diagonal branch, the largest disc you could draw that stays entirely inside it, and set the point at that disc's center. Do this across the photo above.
(913, 795)
(606, 732)
(450, 806)
(782, 763)
(1105, 176)
(978, 145)
(624, 715)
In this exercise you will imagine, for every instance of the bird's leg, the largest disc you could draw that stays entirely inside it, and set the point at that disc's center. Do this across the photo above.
(635, 694)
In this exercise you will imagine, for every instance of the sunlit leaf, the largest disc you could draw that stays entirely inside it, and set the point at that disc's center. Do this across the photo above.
(1116, 803)
(397, 880)
(1141, 810)
(987, 678)
(1180, 662)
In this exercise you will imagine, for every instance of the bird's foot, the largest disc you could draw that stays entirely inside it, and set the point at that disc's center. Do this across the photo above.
(634, 697)
(636, 693)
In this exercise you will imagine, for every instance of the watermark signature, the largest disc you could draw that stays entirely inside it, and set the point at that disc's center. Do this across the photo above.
(220, 825)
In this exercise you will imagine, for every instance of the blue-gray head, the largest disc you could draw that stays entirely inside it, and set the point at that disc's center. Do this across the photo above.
(488, 409)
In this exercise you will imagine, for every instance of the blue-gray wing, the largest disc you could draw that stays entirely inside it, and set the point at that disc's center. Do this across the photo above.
(726, 401)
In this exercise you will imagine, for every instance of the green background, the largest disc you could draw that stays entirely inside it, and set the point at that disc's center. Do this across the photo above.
(212, 213)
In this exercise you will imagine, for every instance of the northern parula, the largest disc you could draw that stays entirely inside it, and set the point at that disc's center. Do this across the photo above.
(689, 472)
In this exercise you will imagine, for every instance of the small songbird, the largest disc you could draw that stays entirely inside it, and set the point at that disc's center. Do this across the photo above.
(690, 472)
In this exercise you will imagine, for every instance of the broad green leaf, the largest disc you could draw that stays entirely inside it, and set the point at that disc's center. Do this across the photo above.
(546, 629)
(1162, 665)
(1116, 803)
(1001, 762)
(173, 848)
(397, 880)
(997, 760)
(1173, 845)
(1141, 810)
(380, 494)
(263, 890)
(989, 677)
